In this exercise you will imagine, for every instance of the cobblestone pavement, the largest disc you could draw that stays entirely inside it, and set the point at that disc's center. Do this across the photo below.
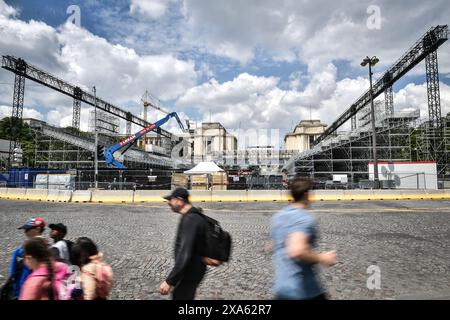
(408, 240)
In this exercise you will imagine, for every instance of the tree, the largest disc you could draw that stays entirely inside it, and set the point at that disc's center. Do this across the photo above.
(11, 129)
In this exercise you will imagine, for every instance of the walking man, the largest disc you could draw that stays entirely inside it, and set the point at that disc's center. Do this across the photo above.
(293, 235)
(189, 268)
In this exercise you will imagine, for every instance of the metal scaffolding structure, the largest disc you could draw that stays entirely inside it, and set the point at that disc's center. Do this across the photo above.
(23, 70)
(59, 148)
(389, 101)
(17, 109)
(349, 153)
(426, 143)
(106, 123)
(426, 45)
(77, 95)
(400, 136)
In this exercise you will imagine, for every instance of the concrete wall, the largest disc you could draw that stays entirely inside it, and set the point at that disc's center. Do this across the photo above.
(112, 196)
(116, 196)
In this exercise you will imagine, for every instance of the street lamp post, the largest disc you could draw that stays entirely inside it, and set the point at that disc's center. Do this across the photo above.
(96, 140)
(371, 62)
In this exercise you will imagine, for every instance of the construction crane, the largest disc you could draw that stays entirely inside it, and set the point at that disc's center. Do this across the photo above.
(149, 101)
(111, 153)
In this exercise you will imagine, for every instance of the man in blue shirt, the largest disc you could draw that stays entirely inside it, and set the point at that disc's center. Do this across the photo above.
(293, 235)
(34, 227)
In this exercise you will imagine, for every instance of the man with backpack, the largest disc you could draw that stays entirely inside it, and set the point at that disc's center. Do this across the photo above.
(34, 227)
(190, 248)
(61, 248)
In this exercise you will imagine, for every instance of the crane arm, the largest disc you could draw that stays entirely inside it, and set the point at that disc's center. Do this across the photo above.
(155, 106)
(180, 123)
(109, 152)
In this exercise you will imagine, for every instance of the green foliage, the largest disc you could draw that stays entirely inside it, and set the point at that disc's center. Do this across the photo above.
(10, 129)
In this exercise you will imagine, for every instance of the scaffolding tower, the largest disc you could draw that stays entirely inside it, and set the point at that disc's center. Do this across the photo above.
(349, 153)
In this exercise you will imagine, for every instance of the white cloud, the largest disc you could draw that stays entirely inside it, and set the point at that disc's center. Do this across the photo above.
(6, 10)
(59, 118)
(318, 34)
(345, 93)
(415, 97)
(235, 28)
(323, 30)
(35, 40)
(120, 75)
(150, 8)
(5, 111)
(248, 102)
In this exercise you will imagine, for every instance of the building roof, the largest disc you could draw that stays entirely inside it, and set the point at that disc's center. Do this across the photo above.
(212, 125)
(305, 124)
(310, 123)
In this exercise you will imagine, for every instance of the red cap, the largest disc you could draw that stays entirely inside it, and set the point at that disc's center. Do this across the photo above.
(33, 223)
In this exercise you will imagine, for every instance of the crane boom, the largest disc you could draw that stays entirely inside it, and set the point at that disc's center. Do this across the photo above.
(128, 142)
(155, 105)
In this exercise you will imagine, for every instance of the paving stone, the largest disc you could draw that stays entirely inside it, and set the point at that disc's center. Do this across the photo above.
(409, 246)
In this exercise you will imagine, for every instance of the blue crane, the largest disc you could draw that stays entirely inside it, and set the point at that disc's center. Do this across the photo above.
(109, 152)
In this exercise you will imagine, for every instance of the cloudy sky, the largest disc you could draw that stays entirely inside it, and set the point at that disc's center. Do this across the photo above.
(254, 64)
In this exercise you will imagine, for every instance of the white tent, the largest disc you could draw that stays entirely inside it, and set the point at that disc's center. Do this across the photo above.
(204, 168)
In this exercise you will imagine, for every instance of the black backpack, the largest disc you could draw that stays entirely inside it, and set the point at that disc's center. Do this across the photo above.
(217, 242)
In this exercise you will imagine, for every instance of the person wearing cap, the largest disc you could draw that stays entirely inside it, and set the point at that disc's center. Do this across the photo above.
(59, 249)
(189, 268)
(34, 227)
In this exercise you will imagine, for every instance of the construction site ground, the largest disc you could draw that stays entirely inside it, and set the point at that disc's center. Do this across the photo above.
(407, 241)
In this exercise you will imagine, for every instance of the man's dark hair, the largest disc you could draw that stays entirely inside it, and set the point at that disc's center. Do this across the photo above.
(300, 187)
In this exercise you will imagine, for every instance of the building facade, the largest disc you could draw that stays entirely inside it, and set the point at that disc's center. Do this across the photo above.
(211, 138)
(304, 134)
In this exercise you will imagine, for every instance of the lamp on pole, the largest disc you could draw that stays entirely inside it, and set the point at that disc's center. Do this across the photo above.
(371, 62)
(96, 140)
